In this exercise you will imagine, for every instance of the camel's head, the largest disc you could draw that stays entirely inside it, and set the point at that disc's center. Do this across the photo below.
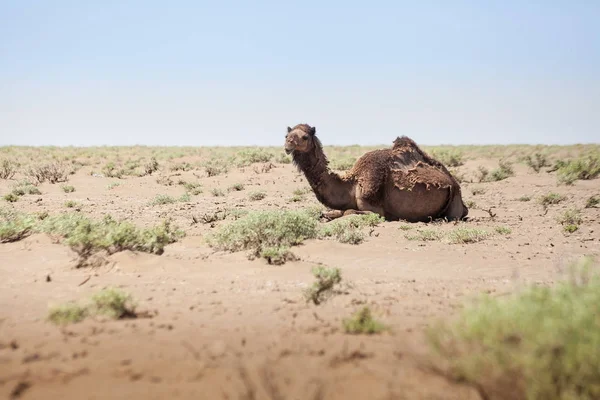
(299, 138)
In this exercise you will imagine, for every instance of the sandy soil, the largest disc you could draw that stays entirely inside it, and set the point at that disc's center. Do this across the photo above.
(225, 327)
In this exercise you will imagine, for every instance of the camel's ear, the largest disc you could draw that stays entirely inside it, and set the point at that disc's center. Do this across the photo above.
(313, 130)
(289, 129)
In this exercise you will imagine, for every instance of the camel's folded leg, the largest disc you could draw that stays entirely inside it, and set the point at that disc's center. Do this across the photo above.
(329, 215)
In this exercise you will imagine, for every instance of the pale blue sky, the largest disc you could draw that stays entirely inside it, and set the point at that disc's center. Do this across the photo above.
(121, 72)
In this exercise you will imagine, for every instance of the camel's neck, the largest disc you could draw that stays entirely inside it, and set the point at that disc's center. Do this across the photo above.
(330, 189)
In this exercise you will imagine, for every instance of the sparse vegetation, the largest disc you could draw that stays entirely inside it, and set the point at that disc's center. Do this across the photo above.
(539, 343)
(15, 226)
(71, 204)
(263, 231)
(8, 169)
(425, 235)
(477, 191)
(111, 302)
(362, 322)
(466, 235)
(578, 169)
(151, 166)
(450, 157)
(524, 198)
(216, 167)
(504, 170)
(193, 188)
(11, 197)
(255, 196)
(349, 229)
(54, 172)
(537, 162)
(112, 185)
(570, 220)
(237, 187)
(343, 164)
(551, 199)
(69, 313)
(253, 155)
(217, 192)
(68, 188)
(323, 288)
(503, 230)
(592, 201)
(162, 199)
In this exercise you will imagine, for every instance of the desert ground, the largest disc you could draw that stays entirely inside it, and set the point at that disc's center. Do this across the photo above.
(217, 324)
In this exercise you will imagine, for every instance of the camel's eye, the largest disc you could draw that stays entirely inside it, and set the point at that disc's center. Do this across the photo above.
(305, 137)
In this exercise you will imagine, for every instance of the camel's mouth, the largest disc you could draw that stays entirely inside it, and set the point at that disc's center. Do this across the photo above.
(288, 151)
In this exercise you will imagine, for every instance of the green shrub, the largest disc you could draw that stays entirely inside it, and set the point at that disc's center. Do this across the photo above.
(524, 198)
(265, 230)
(579, 169)
(539, 343)
(69, 313)
(237, 187)
(362, 322)
(162, 199)
(15, 226)
(114, 303)
(551, 198)
(68, 188)
(11, 197)
(425, 235)
(323, 288)
(592, 202)
(255, 196)
(450, 158)
(349, 228)
(537, 162)
(503, 230)
(505, 170)
(343, 164)
(570, 220)
(466, 235)
(216, 167)
(217, 192)
(8, 169)
(250, 156)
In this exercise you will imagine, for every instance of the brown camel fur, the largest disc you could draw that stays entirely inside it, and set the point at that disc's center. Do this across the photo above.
(401, 182)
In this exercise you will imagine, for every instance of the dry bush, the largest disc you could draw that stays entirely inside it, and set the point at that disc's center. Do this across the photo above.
(54, 172)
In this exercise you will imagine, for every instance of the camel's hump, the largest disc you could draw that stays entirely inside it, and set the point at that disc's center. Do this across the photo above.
(404, 142)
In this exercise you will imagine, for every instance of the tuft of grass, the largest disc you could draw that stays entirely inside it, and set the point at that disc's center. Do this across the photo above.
(15, 226)
(283, 158)
(183, 166)
(323, 288)
(296, 198)
(425, 235)
(405, 227)
(69, 313)
(263, 231)
(237, 187)
(477, 190)
(162, 199)
(471, 204)
(185, 198)
(68, 188)
(570, 220)
(466, 235)
(8, 169)
(584, 168)
(524, 198)
(482, 174)
(113, 303)
(111, 170)
(349, 229)
(537, 162)
(151, 166)
(23, 188)
(217, 192)
(11, 197)
(504, 170)
(592, 202)
(216, 167)
(112, 185)
(538, 343)
(110, 302)
(362, 322)
(277, 255)
(71, 204)
(256, 196)
(503, 230)
(193, 188)
(551, 199)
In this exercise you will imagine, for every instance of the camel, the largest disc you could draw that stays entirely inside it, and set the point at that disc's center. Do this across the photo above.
(398, 183)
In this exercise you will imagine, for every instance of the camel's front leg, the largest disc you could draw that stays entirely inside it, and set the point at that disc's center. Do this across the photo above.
(334, 214)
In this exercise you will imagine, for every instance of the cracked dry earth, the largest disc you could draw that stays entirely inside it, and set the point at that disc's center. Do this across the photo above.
(220, 326)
